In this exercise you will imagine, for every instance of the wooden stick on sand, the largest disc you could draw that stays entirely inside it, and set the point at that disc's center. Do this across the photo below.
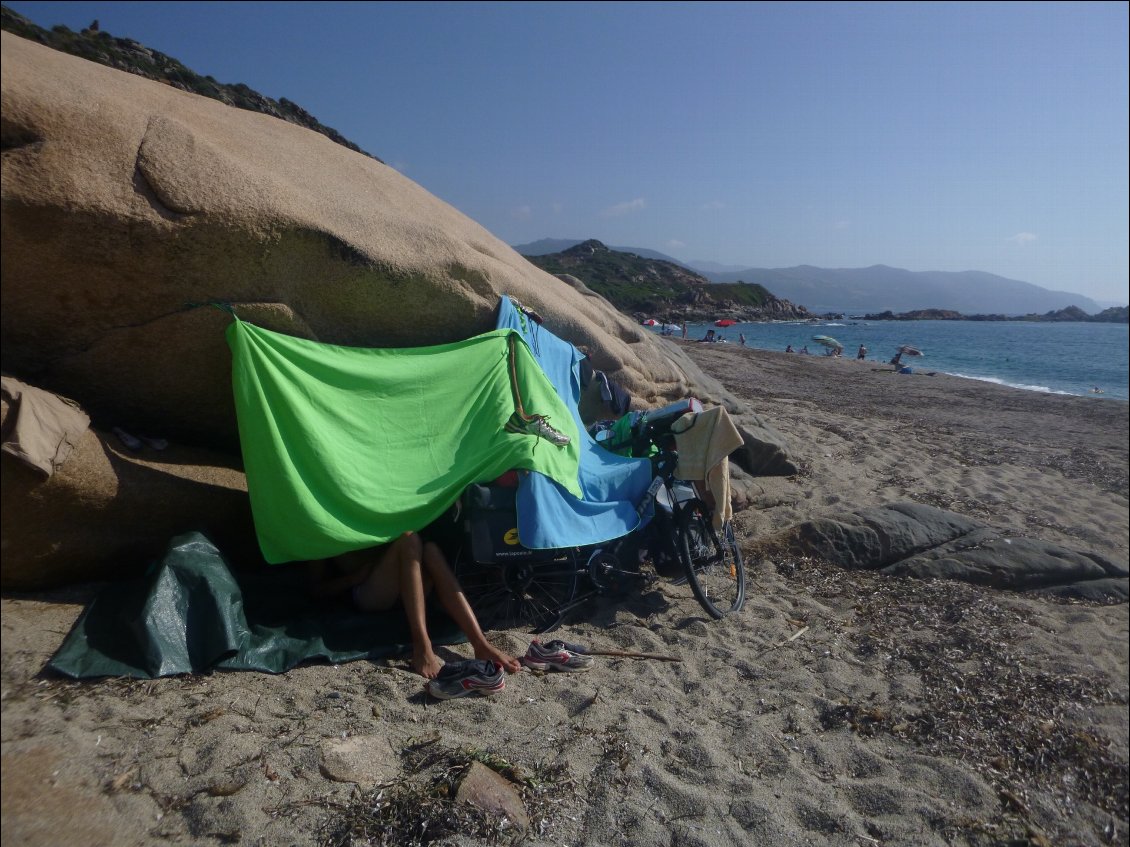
(627, 654)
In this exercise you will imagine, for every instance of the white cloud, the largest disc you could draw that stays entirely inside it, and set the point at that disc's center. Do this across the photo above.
(521, 213)
(1022, 238)
(624, 208)
(675, 244)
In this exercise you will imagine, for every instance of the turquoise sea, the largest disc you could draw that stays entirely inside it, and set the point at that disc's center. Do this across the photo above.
(1058, 358)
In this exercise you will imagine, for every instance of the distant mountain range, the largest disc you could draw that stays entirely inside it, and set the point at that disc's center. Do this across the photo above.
(880, 288)
(875, 289)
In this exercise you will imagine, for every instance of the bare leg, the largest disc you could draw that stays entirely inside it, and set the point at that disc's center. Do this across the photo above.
(412, 593)
(397, 575)
(381, 587)
(455, 603)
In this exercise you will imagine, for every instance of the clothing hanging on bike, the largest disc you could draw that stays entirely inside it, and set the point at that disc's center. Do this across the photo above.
(704, 441)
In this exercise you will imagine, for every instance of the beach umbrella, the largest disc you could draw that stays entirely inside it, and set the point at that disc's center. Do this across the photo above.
(725, 322)
(651, 322)
(828, 342)
(907, 350)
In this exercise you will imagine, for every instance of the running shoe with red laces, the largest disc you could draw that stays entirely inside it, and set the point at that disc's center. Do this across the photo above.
(555, 655)
(460, 679)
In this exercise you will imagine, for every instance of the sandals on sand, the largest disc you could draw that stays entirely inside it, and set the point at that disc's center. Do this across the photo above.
(135, 443)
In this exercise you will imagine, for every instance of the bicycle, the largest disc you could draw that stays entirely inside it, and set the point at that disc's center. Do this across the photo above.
(510, 585)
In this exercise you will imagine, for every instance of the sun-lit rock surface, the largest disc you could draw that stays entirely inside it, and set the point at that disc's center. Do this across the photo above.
(127, 203)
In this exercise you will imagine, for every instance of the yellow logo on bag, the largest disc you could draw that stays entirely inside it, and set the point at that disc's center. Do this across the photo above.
(511, 536)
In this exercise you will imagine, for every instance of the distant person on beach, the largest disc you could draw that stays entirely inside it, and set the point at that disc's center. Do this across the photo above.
(709, 336)
(897, 360)
(684, 330)
(1096, 390)
(406, 570)
(789, 349)
(862, 354)
(741, 338)
(804, 350)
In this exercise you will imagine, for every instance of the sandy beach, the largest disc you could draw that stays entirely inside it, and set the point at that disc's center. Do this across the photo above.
(837, 708)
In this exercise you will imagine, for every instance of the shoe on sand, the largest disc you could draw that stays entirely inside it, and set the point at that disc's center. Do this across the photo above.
(555, 655)
(460, 679)
(131, 442)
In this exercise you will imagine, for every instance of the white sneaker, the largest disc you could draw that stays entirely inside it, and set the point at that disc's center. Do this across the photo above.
(537, 426)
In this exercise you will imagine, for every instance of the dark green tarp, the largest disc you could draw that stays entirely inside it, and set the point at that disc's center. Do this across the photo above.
(192, 613)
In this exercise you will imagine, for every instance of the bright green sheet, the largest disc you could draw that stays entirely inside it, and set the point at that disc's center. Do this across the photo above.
(348, 447)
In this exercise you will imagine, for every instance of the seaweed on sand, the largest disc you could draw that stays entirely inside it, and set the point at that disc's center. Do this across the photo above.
(1023, 727)
(420, 809)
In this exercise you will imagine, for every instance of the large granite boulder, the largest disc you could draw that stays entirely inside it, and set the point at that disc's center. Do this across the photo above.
(765, 451)
(128, 204)
(911, 539)
(106, 512)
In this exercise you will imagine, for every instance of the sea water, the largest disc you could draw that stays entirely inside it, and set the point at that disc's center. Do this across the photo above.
(1058, 358)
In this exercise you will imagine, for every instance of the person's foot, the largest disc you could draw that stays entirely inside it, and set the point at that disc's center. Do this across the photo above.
(426, 663)
(492, 654)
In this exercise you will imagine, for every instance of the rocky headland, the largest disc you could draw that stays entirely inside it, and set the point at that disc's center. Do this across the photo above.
(653, 288)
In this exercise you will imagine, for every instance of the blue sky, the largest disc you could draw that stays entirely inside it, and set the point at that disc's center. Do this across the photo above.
(953, 136)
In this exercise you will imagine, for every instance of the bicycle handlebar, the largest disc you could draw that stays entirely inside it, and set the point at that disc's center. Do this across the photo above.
(663, 464)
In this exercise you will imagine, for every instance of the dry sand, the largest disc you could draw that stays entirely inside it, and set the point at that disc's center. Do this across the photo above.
(836, 708)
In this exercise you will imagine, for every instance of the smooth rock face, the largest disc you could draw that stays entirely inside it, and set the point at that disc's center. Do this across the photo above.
(911, 539)
(987, 557)
(127, 204)
(107, 512)
(128, 207)
(765, 451)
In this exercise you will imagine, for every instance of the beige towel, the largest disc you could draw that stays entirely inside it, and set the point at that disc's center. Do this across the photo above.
(704, 441)
(47, 427)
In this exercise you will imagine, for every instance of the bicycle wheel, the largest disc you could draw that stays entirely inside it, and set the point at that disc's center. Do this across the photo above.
(713, 563)
(506, 595)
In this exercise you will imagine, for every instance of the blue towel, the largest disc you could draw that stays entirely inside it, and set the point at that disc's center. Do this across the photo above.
(611, 485)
